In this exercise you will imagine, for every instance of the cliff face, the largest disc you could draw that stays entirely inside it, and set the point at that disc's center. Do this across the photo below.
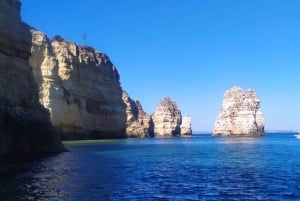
(167, 118)
(240, 114)
(139, 124)
(186, 127)
(80, 87)
(25, 126)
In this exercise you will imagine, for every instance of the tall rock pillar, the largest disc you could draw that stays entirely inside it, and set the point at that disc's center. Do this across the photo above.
(240, 114)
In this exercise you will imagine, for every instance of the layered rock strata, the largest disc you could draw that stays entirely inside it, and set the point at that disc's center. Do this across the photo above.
(139, 124)
(25, 126)
(186, 126)
(80, 87)
(240, 114)
(167, 118)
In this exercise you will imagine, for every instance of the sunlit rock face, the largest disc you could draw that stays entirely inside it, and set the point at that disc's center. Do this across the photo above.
(139, 124)
(79, 86)
(25, 126)
(167, 118)
(240, 114)
(186, 126)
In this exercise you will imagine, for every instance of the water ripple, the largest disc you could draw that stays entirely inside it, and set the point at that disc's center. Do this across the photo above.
(199, 168)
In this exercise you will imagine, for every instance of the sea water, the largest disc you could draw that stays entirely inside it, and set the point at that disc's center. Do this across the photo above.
(198, 168)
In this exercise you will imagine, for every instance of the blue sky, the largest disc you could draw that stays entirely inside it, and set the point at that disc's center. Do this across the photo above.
(190, 50)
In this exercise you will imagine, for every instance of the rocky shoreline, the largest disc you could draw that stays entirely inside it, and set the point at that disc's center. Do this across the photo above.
(81, 89)
(25, 127)
(53, 90)
(79, 86)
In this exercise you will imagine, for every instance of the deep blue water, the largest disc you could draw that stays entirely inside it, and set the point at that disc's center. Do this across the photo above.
(197, 168)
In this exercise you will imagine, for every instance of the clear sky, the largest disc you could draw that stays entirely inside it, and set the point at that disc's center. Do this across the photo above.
(189, 50)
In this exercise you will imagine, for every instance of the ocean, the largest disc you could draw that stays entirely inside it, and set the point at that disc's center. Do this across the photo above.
(198, 168)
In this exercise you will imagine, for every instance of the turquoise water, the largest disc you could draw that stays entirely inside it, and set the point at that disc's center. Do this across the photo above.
(197, 168)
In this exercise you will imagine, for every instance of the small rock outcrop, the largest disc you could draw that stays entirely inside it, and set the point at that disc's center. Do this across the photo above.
(25, 127)
(186, 126)
(240, 114)
(139, 124)
(167, 118)
(79, 86)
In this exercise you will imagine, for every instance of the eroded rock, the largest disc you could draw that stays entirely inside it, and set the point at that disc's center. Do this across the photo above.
(80, 87)
(167, 118)
(240, 114)
(139, 124)
(25, 127)
(186, 126)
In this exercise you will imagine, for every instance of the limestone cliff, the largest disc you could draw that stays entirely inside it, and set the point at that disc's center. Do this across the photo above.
(240, 114)
(139, 124)
(25, 126)
(80, 87)
(186, 126)
(167, 118)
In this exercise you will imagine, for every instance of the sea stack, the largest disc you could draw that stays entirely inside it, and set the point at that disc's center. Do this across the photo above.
(167, 118)
(139, 123)
(79, 86)
(25, 127)
(186, 127)
(240, 114)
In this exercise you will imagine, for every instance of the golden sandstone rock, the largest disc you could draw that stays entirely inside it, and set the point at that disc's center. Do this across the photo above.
(168, 121)
(25, 127)
(240, 114)
(80, 87)
(139, 124)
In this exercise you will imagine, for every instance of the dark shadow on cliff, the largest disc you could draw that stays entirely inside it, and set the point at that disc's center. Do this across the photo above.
(25, 128)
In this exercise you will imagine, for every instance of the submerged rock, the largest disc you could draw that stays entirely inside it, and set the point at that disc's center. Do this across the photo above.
(240, 114)
(139, 123)
(79, 86)
(25, 127)
(167, 118)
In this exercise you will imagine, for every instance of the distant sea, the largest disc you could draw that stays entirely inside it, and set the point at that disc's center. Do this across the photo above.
(198, 168)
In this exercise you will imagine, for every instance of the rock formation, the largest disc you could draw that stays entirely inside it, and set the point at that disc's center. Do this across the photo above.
(167, 118)
(139, 124)
(165, 121)
(186, 127)
(80, 87)
(25, 126)
(240, 114)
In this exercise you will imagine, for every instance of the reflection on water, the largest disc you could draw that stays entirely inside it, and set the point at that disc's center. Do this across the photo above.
(240, 140)
(198, 168)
